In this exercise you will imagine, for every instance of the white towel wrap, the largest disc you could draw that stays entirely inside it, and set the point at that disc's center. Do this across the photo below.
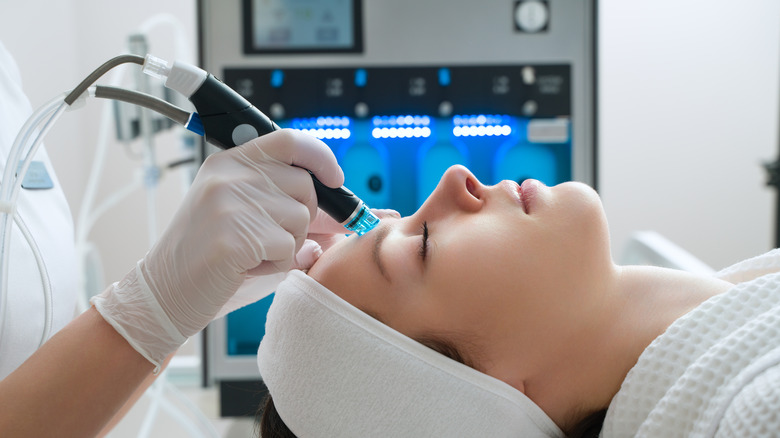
(334, 371)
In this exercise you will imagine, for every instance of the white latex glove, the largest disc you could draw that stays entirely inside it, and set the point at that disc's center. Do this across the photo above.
(247, 212)
(324, 232)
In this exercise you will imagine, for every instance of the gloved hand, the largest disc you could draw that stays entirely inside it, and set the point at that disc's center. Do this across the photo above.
(247, 212)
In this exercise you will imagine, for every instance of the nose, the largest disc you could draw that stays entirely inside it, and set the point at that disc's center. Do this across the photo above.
(457, 190)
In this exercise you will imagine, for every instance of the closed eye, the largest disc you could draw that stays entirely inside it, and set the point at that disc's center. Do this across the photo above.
(424, 241)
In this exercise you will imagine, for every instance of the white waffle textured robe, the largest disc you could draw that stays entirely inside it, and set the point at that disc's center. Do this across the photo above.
(715, 372)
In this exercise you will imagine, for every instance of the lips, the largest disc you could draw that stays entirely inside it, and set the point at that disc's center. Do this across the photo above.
(520, 199)
(528, 191)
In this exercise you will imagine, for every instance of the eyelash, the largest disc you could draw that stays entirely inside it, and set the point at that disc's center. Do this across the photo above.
(424, 244)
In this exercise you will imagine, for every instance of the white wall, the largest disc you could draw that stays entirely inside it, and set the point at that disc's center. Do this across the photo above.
(688, 98)
(688, 112)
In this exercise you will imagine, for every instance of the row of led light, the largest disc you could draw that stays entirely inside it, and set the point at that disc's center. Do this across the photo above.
(321, 122)
(401, 121)
(481, 119)
(482, 131)
(344, 121)
(416, 132)
(465, 126)
(329, 133)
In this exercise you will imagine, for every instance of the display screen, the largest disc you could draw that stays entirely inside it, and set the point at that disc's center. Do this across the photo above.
(301, 26)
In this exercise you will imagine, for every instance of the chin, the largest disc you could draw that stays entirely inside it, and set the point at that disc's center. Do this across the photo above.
(580, 197)
(589, 216)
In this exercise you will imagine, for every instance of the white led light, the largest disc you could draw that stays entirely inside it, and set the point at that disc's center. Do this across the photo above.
(327, 133)
(478, 131)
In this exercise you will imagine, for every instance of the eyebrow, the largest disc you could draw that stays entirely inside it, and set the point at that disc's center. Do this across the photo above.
(381, 234)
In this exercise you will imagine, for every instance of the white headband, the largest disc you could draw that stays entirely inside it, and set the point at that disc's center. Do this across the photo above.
(334, 371)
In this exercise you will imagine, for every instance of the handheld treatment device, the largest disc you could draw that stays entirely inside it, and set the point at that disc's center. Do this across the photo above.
(226, 119)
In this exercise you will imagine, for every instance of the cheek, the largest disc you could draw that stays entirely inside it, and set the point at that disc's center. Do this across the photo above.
(338, 270)
(471, 282)
(327, 262)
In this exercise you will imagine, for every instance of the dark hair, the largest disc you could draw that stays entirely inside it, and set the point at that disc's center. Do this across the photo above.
(590, 427)
(272, 425)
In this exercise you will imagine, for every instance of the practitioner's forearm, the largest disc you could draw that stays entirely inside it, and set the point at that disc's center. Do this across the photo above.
(74, 384)
(131, 401)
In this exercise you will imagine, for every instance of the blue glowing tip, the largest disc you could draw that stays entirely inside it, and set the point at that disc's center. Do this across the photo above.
(363, 222)
(195, 125)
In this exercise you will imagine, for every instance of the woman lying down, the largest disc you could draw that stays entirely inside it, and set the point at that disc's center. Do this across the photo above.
(497, 311)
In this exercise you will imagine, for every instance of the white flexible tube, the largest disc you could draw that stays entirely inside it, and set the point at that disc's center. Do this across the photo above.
(180, 418)
(205, 423)
(10, 191)
(89, 256)
(89, 214)
(24, 134)
(112, 201)
(180, 36)
(12, 180)
(45, 281)
(182, 53)
(86, 249)
(16, 188)
(85, 219)
(156, 394)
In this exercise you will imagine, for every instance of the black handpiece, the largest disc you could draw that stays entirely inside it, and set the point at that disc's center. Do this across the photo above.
(230, 120)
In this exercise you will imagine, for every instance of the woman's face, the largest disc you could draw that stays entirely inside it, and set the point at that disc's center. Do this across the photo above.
(497, 271)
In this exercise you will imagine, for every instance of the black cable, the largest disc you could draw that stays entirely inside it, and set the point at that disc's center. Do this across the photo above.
(181, 162)
(100, 71)
(153, 103)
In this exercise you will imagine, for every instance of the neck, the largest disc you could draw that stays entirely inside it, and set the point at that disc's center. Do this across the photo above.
(640, 303)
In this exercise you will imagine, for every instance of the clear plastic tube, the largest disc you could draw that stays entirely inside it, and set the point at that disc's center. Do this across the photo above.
(9, 192)
(47, 297)
(17, 149)
(207, 428)
(16, 188)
